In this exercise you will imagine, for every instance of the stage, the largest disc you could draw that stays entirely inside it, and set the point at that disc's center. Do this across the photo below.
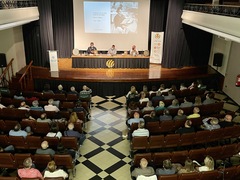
(111, 81)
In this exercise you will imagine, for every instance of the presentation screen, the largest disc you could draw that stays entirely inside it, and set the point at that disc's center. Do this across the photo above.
(122, 23)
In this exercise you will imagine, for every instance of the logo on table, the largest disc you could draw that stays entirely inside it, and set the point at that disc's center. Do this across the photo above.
(110, 63)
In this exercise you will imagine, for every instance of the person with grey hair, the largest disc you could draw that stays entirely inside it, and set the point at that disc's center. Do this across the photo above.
(141, 131)
(85, 93)
(50, 106)
(149, 107)
(28, 171)
(35, 106)
(45, 149)
(73, 90)
(60, 90)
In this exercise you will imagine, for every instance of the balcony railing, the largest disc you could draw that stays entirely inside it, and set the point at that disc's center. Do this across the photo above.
(7, 4)
(224, 10)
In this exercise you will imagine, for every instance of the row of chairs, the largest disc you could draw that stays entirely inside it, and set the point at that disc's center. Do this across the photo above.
(18, 114)
(15, 161)
(37, 128)
(166, 127)
(218, 153)
(205, 110)
(221, 174)
(34, 142)
(187, 139)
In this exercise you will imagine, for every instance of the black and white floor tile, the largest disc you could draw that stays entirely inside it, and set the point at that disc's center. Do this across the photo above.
(104, 154)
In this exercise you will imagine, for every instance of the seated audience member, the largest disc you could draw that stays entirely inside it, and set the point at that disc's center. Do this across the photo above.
(60, 90)
(180, 115)
(168, 168)
(186, 103)
(182, 86)
(78, 107)
(193, 85)
(43, 118)
(112, 51)
(136, 119)
(50, 106)
(45, 149)
(52, 171)
(28, 171)
(47, 89)
(85, 93)
(226, 122)
(158, 97)
(8, 149)
(175, 104)
(73, 91)
(132, 95)
(153, 90)
(54, 131)
(170, 96)
(149, 107)
(144, 169)
(62, 150)
(35, 106)
(72, 133)
(141, 131)
(186, 129)
(145, 89)
(150, 117)
(134, 51)
(24, 106)
(208, 164)
(210, 123)
(174, 88)
(163, 89)
(160, 107)
(16, 131)
(143, 97)
(209, 98)
(132, 107)
(166, 115)
(188, 167)
(74, 118)
(200, 85)
(195, 114)
(18, 95)
(198, 101)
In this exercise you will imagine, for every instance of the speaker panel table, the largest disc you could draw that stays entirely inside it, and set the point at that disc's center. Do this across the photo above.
(105, 61)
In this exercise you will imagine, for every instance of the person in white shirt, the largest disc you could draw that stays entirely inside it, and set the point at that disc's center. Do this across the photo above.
(24, 106)
(134, 51)
(52, 171)
(54, 131)
(209, 164)
(112, 50)
(50, 106)
(141, 131)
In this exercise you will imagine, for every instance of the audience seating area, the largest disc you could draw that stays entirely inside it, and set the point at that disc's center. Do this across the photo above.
(189, 139)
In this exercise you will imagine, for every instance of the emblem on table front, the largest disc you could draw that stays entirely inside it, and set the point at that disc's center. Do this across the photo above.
(110, 63)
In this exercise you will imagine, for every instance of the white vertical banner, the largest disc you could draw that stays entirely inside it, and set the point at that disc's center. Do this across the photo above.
(156, 47)
(53, 59)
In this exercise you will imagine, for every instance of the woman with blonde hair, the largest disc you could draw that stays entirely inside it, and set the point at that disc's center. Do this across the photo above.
(52, 171)
(74, 118)
(208, 164)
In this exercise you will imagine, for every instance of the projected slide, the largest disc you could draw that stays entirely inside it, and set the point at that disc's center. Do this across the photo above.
(110, 17)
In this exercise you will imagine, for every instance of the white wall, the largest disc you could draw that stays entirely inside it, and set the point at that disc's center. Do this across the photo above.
(220, 45)
(233, 69)
(13, 47)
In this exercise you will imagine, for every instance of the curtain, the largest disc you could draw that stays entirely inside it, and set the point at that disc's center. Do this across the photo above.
(46, 30)
(157, 21)
(62, 15)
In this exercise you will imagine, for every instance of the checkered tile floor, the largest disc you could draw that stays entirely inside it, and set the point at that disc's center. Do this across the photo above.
(104, 154)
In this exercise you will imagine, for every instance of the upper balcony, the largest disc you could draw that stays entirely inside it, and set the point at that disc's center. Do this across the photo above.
(16, 13)
(221, 20)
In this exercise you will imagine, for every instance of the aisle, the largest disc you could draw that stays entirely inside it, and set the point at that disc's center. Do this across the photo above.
(104, 154)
